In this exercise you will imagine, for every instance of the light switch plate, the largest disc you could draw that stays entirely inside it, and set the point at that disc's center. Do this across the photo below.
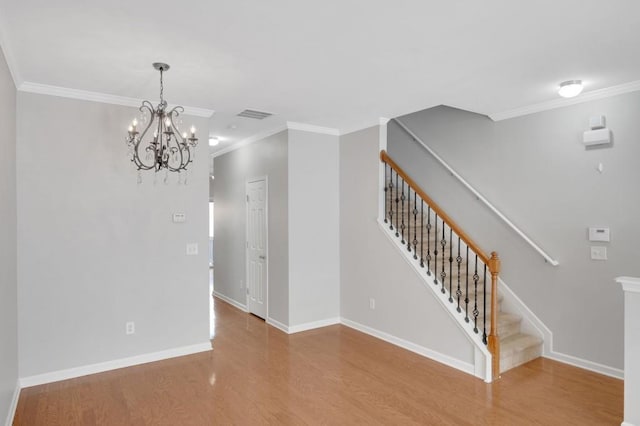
(192, 249)
(179, 218)
(598, 253)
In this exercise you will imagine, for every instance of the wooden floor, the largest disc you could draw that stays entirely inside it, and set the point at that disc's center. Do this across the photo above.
(333, 376)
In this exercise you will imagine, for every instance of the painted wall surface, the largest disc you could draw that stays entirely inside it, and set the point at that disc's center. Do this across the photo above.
(95, 249)
(264, 158)
(372, 267)
(536, 170)
(314, 258)
(8, 274)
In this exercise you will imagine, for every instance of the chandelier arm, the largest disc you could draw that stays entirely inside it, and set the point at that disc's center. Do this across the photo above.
(179, 139)
(146, 105)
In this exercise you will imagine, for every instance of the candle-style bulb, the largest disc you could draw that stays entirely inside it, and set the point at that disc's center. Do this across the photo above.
(135, 122)
(193, 130)
(184, 135)
(167, 123)
(130, 129)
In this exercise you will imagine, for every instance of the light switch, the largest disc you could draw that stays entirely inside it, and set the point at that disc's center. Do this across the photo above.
(192, 249)
(179, 218)
(599, 234)
(598, 253)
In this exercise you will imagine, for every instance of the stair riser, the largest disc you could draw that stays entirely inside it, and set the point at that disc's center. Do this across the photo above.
(520, 357)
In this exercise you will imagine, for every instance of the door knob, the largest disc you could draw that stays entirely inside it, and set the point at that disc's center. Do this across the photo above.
(262, 257)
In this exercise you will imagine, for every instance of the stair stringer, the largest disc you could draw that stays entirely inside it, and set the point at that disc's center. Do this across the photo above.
(482, 356)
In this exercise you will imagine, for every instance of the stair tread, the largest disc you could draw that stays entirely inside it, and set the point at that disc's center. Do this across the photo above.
(518, 342)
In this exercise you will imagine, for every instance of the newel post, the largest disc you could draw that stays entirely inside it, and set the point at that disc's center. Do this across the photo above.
(494, 339)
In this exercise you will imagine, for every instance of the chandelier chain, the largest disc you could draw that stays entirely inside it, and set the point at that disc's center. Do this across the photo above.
(161, 87)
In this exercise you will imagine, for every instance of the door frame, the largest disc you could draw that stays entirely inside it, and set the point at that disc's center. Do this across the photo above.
(264, 178)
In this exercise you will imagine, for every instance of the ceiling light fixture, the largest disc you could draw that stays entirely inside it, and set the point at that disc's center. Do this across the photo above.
(213, 141)
(570, 89)
(166, 147)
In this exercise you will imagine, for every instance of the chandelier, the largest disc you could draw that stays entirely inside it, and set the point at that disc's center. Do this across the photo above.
(160, 145)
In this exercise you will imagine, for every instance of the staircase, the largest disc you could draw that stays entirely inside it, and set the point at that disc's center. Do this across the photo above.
(454, 266)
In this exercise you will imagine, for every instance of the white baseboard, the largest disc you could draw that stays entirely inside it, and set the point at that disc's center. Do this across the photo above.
(626, 424)
(314, 324)
(230, 301)
(585, 364)
(14, 404)
(277, 324)
(405, 344)
(85, 370)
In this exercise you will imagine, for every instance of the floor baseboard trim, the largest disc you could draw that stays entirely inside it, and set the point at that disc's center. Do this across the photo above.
(313, 325)
(405, 344)
(230, 301)
(14, 404)
(606, 370)
(626, 424)
(71, 373)
(277, 324)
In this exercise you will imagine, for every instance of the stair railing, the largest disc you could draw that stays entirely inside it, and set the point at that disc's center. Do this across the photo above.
(455, 263)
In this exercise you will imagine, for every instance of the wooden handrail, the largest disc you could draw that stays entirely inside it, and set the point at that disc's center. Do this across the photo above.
(384, 157)
(493, 262)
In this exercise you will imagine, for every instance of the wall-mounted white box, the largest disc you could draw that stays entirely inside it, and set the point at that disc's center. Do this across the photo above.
(179, 218)
(599, 234)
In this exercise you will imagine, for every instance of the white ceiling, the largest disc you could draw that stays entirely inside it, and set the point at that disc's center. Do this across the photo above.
(337, 64)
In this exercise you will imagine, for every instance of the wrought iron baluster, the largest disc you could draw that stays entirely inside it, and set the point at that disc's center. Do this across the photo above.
(397, 207)
(428, 240)
(450, 264)
(421, 233)
(476, 277)
(390, 185)
(386, 191)
(435, 251)
(458, 291)
(402, 226)
(415, 225)
(466, 291)
(443, 274)
(484, 309)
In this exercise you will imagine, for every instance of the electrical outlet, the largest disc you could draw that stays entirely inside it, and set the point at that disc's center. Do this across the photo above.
(192, 249)
(372, 303)
(130, 327)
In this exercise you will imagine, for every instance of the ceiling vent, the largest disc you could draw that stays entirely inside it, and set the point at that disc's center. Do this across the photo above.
(256, 115)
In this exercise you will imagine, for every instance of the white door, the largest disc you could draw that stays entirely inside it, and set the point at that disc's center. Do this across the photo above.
(257, 247)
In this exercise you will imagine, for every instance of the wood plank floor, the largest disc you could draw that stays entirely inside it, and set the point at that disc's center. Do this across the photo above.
(330, 376)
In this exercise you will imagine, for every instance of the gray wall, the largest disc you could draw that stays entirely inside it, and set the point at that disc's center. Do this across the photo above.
(8, 277)
(536, 170)
(314, 252)
(264, 158)
(371, 266)
(95, 249)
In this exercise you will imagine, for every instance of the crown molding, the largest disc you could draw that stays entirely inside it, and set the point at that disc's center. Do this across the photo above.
(250, 140)
(10, 59)
(85, 95)
(629, 284)
(292, 125)
(559, 103)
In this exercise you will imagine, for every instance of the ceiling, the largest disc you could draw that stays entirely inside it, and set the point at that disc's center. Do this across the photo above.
(337, 64)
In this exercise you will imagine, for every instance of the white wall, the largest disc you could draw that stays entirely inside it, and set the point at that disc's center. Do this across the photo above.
(537, 171)
(267, 157)
(8, 277)
(314, 258)
(372, 267)
(95, 249)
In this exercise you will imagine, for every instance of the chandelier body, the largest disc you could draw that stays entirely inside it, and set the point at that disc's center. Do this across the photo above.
(160, 145)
